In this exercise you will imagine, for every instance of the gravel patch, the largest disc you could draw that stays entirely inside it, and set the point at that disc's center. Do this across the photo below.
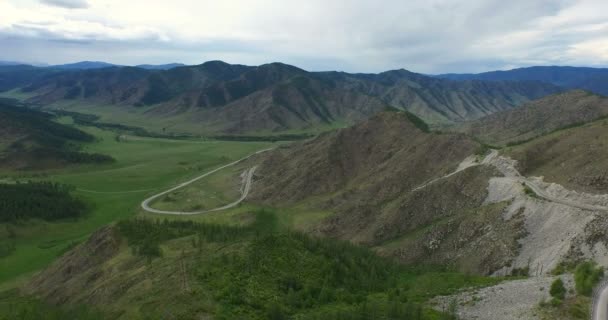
(510, 300)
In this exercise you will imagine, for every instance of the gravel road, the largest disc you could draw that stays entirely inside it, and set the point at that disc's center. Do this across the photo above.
(145, 205)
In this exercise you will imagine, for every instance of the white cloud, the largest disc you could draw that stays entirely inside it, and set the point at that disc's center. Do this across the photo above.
(67, 4)
(353, 35)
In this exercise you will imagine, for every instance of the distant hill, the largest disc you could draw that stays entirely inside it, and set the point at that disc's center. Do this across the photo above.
(160, 66)
(83, 65)
(238, 99)
(592, 79)
(30, 139)
(538, 117)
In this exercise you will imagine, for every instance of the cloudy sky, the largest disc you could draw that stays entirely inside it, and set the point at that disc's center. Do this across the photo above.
(432, 36)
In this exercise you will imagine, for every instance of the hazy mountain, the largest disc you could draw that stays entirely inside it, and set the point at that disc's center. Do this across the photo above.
(538, 117)
(11, 63)
(160, 66)
(592, 79)
(19, 76)
(83, 65)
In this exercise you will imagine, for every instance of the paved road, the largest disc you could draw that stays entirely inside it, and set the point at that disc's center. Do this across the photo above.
(600, 303)
(247, 186)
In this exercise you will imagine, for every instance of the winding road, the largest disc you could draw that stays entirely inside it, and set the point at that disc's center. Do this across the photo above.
(505, 166)
(600, 303)
(145, 205)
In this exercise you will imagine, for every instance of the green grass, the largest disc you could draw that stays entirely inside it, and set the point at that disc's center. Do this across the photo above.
(213, 191)
(147, 164)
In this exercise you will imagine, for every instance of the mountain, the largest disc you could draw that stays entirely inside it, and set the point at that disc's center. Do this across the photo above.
(440, 101)
(83, 65)
(19, 76)
(271, 98)
(160, 66)
(377, 179)
(30, 139)
(223, 98)
(592, 79)
(538, 117)
(425, 198)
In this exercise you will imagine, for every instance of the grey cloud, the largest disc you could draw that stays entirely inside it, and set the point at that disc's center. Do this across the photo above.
(350, 35)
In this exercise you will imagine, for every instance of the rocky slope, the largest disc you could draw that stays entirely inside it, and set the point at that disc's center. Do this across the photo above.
(420, 198)
(538, 117)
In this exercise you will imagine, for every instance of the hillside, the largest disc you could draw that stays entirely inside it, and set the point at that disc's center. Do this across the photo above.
(575, 158)
(592, 79)
(538, 117)
(373, 178)
(224, 98)
(31, 139)
(250, 272)
(423, 198)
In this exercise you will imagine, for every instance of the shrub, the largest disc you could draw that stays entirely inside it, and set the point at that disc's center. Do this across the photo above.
(586, 276)
(558, 291)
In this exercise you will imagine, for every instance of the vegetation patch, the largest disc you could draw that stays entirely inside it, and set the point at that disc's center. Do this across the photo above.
(419, 123)
(258, 271)
(42, 200)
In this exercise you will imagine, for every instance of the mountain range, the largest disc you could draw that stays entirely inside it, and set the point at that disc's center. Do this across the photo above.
(237, 99)
(84, 65)
(592, 79)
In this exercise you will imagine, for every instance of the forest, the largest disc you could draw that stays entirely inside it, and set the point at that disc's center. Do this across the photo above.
(41, 200)
(290, 275)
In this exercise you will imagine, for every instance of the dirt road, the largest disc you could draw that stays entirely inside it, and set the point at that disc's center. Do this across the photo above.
(145, 205)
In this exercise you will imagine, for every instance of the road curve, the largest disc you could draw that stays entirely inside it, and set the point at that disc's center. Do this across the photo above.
(145, 205)
(600, 303)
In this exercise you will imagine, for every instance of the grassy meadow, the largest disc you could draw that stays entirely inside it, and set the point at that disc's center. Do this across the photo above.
(114, 191)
